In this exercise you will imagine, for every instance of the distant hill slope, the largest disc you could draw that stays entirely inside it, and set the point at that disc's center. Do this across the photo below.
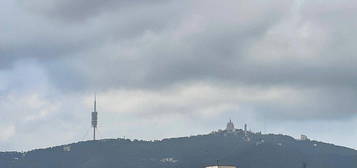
(260, 151)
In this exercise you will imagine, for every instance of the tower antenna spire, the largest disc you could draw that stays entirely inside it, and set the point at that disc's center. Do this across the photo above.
(94, 116)
(95, 102)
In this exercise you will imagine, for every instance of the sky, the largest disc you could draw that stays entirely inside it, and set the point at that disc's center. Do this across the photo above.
(165, 68)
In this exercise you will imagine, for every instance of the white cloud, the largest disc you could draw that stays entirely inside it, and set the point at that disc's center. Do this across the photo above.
(7, 132)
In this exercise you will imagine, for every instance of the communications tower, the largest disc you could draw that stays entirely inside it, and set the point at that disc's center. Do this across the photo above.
(94, 117)
(245, 129)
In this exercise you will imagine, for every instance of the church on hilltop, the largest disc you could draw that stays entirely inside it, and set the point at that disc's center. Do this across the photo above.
(231, 129)
(230, 126)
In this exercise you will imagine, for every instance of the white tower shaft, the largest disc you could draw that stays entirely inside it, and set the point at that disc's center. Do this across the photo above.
(94, 117)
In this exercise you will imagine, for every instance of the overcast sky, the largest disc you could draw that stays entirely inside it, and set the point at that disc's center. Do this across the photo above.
(165, 68)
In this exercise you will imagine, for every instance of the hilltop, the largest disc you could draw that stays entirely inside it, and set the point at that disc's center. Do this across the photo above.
(245, 150)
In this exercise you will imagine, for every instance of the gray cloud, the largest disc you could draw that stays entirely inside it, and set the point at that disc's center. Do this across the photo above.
(287, 60)
(83, 10)
(146, 45)
(192, 48)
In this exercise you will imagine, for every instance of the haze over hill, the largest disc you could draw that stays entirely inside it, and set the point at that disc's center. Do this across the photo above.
(231, 146)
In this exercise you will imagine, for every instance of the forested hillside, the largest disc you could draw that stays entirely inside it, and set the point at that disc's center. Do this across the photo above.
(230, 148)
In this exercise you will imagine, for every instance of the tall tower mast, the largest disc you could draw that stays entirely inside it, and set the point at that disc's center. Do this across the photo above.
(94, 117)
(245, 130)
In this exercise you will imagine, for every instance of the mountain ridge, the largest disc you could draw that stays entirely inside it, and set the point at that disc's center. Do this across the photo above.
(245, 150)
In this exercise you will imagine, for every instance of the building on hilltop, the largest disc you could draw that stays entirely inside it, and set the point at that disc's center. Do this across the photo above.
(230, 126)
(304, 138)
(245, 130)
(67, 148)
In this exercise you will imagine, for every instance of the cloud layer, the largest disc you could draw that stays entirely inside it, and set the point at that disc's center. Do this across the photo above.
(289, 61)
